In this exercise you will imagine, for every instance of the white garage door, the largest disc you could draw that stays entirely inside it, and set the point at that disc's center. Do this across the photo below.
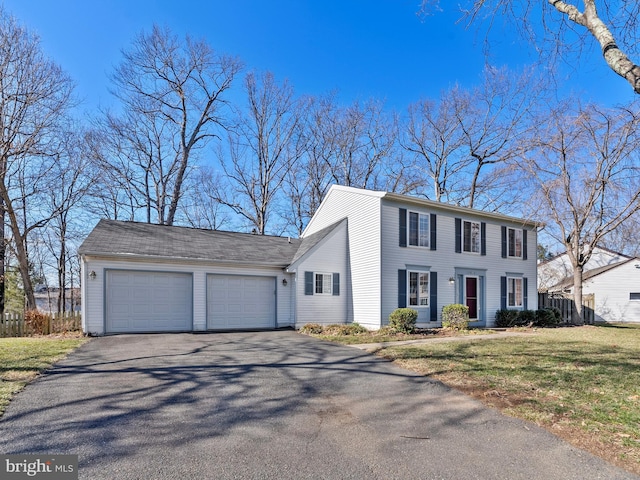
(140, 301)
(240, 302)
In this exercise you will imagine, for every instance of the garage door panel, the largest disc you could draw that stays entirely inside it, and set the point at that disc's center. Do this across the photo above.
(145, 301)
(240, 302)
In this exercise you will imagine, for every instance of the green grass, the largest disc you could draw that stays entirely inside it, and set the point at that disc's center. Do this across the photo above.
(582, 383)
(22, 359)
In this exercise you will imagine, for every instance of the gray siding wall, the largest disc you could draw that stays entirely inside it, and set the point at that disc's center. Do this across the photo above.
(330, 256)
(446, 262)
(362, 208)
(93, 290)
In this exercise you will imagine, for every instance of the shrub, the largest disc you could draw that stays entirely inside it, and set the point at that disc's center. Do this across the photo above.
(455, 317)
(526, 318)
(403, 320)
(344, 329)
(548, 317)
(312, 328)
(507, 318)
(37, 322)
(386, 330)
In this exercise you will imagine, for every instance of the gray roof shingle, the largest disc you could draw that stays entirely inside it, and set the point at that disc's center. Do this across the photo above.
(113, 237)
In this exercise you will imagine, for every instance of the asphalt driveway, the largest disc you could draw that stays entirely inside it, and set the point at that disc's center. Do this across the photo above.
(270, 405)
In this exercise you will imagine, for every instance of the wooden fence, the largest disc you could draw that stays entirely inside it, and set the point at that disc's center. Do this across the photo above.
(15, 325)
(567, 306)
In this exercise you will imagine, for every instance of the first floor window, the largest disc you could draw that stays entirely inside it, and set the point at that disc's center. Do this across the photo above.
(471, 237)
(323, 283)
(514, 292)
(419, 289)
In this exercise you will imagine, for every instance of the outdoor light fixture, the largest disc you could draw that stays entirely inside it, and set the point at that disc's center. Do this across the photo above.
(452, 280)
(92, 275)
(284, 282)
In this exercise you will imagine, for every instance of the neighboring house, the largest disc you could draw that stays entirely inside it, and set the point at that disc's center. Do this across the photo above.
(363, 254)
(612, 278)
(557, 269)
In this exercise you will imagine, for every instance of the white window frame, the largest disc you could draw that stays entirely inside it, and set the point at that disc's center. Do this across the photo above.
(421, 298)
(423, 238)
(326, 284)
(512, 292)
(473, 247)
(513, 246)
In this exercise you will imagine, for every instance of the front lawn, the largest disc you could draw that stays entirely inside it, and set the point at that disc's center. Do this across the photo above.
(581, 383)
(22, 359)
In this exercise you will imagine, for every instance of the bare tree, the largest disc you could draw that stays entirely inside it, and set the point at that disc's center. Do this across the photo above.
(494, 120)
(563, 27)
(172, 94)
(586, 168)
(72, 182)
(432, 135)
(264, 147)
(362, 137)
(202, 208)
(35, 96)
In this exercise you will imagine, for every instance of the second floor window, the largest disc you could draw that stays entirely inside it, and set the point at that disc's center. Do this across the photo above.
(418, 229)
(514, 247)
(471, 236)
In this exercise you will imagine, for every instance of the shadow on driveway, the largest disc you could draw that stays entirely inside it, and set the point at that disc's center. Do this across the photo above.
(270, 405)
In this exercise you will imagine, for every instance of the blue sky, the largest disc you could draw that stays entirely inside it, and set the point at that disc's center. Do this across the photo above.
(361, 48)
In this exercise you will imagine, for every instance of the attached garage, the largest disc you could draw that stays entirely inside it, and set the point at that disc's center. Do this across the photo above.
(240, 302)
(139, 278)
(144, 301)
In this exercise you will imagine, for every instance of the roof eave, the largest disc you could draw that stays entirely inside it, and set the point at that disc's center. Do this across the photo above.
(462, 210)
(138, 257)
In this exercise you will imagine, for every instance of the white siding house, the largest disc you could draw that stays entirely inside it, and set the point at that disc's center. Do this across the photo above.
(612, 278)
(405, 251)
(362, 255)
(556, 270)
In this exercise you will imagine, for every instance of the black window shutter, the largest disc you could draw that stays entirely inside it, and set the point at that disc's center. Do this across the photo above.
(433, 297)
(403, 227)
(458, 235)
(503, 293)
(525, 287)
(524, 244)
(504, 241)
(483, 238)
(308, 283)
(432, 226)
(336, 284)
(402, 288)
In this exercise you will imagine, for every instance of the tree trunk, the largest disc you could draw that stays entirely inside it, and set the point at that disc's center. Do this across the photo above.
(3, 252)
(21, 251)
(577, 294)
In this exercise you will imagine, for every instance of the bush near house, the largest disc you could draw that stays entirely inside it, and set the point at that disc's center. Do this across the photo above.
(455, 317)
(333, 329)
(403, 320)
(544, 317)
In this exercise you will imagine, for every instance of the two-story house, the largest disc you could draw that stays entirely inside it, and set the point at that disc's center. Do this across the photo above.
(363, 254)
